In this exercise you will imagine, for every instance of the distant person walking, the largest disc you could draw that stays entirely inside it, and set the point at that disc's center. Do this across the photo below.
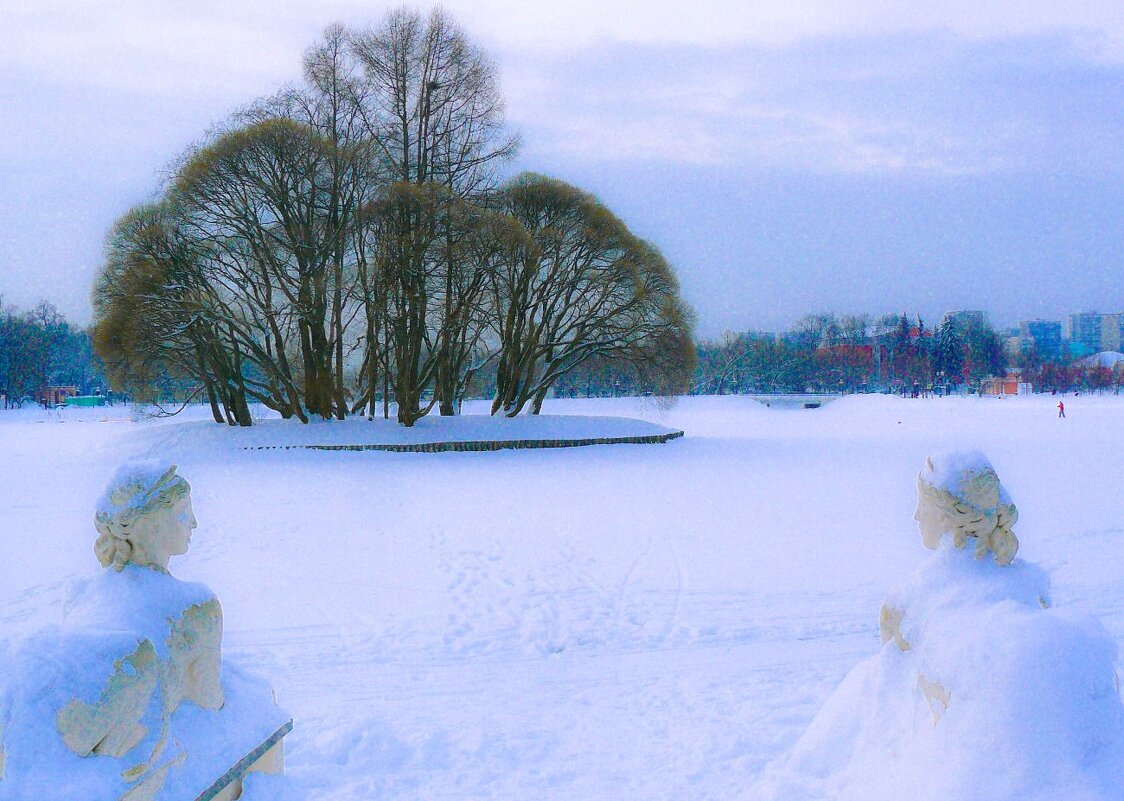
(1061, 408)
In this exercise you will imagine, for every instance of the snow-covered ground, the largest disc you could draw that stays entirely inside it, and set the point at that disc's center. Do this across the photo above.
(608, 622)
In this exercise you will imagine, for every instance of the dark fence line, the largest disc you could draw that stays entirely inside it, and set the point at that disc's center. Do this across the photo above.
(480, 445)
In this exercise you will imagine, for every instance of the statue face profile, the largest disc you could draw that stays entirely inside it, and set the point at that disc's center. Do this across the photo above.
(163, 533)
(144, 518)
(930, 521)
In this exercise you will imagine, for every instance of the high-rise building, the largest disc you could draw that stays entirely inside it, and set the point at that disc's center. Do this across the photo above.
(1112, 331)
(1045, 336)
(965, 318)
(1085, 333)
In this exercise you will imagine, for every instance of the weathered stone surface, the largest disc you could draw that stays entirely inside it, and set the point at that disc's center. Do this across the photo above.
(935, 694)
(112, 725)
(890, 626)
(195, 658)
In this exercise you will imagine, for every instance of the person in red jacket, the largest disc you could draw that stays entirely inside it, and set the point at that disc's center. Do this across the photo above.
(1061, 408)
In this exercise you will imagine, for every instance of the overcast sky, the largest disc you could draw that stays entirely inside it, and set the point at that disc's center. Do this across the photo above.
(788, 157)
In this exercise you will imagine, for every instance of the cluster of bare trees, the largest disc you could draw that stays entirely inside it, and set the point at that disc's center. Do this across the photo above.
(821, 352)
(39, 347)
(349, 241)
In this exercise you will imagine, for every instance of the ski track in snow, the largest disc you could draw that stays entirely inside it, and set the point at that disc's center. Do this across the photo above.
(612, 622)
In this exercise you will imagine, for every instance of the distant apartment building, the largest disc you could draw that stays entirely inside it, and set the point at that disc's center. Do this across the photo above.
(1085, 333)
(966, 318)
(1112, 331)
(1045, 336)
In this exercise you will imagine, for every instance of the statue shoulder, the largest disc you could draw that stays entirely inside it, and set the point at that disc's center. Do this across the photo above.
(136, 599)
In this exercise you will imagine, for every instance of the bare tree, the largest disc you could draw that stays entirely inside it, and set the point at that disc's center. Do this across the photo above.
(331, 105)
(261, 200)
(157, 313)
(432, 106)
(352, 226)
(817, 331)
(432, 102)
(588, 288)
(724, 364)
(854, 329)
(432, 255)
(404, 235)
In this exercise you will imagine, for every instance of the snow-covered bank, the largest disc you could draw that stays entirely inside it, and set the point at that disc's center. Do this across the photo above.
(598, 623)
(358, 432)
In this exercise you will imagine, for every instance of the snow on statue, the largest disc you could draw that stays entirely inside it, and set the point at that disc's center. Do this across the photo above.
(97, 708)
(981, 690)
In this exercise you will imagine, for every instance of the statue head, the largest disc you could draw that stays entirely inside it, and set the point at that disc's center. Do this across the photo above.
(961, 493)
(144, 517)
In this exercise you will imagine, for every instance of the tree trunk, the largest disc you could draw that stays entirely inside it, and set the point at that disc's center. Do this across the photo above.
(540, 396)
(337, 320)
(215, 411)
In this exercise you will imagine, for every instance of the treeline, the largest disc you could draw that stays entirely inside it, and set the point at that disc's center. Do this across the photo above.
(826, 353)
(39, 348)
(1067, 375)
(348, 244)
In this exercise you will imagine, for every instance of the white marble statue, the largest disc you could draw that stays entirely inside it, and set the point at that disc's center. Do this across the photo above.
(982, 689)
(143, 519)
(135, 645)
(958, 493)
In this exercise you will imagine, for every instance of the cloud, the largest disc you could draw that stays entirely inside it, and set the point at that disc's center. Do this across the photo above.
(151, 45)
(955, 87)
(926, 103)
(144, 48)
(781, 24)
(98, 97)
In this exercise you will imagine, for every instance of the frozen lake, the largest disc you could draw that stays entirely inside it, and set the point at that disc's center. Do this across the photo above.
(606, 622)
